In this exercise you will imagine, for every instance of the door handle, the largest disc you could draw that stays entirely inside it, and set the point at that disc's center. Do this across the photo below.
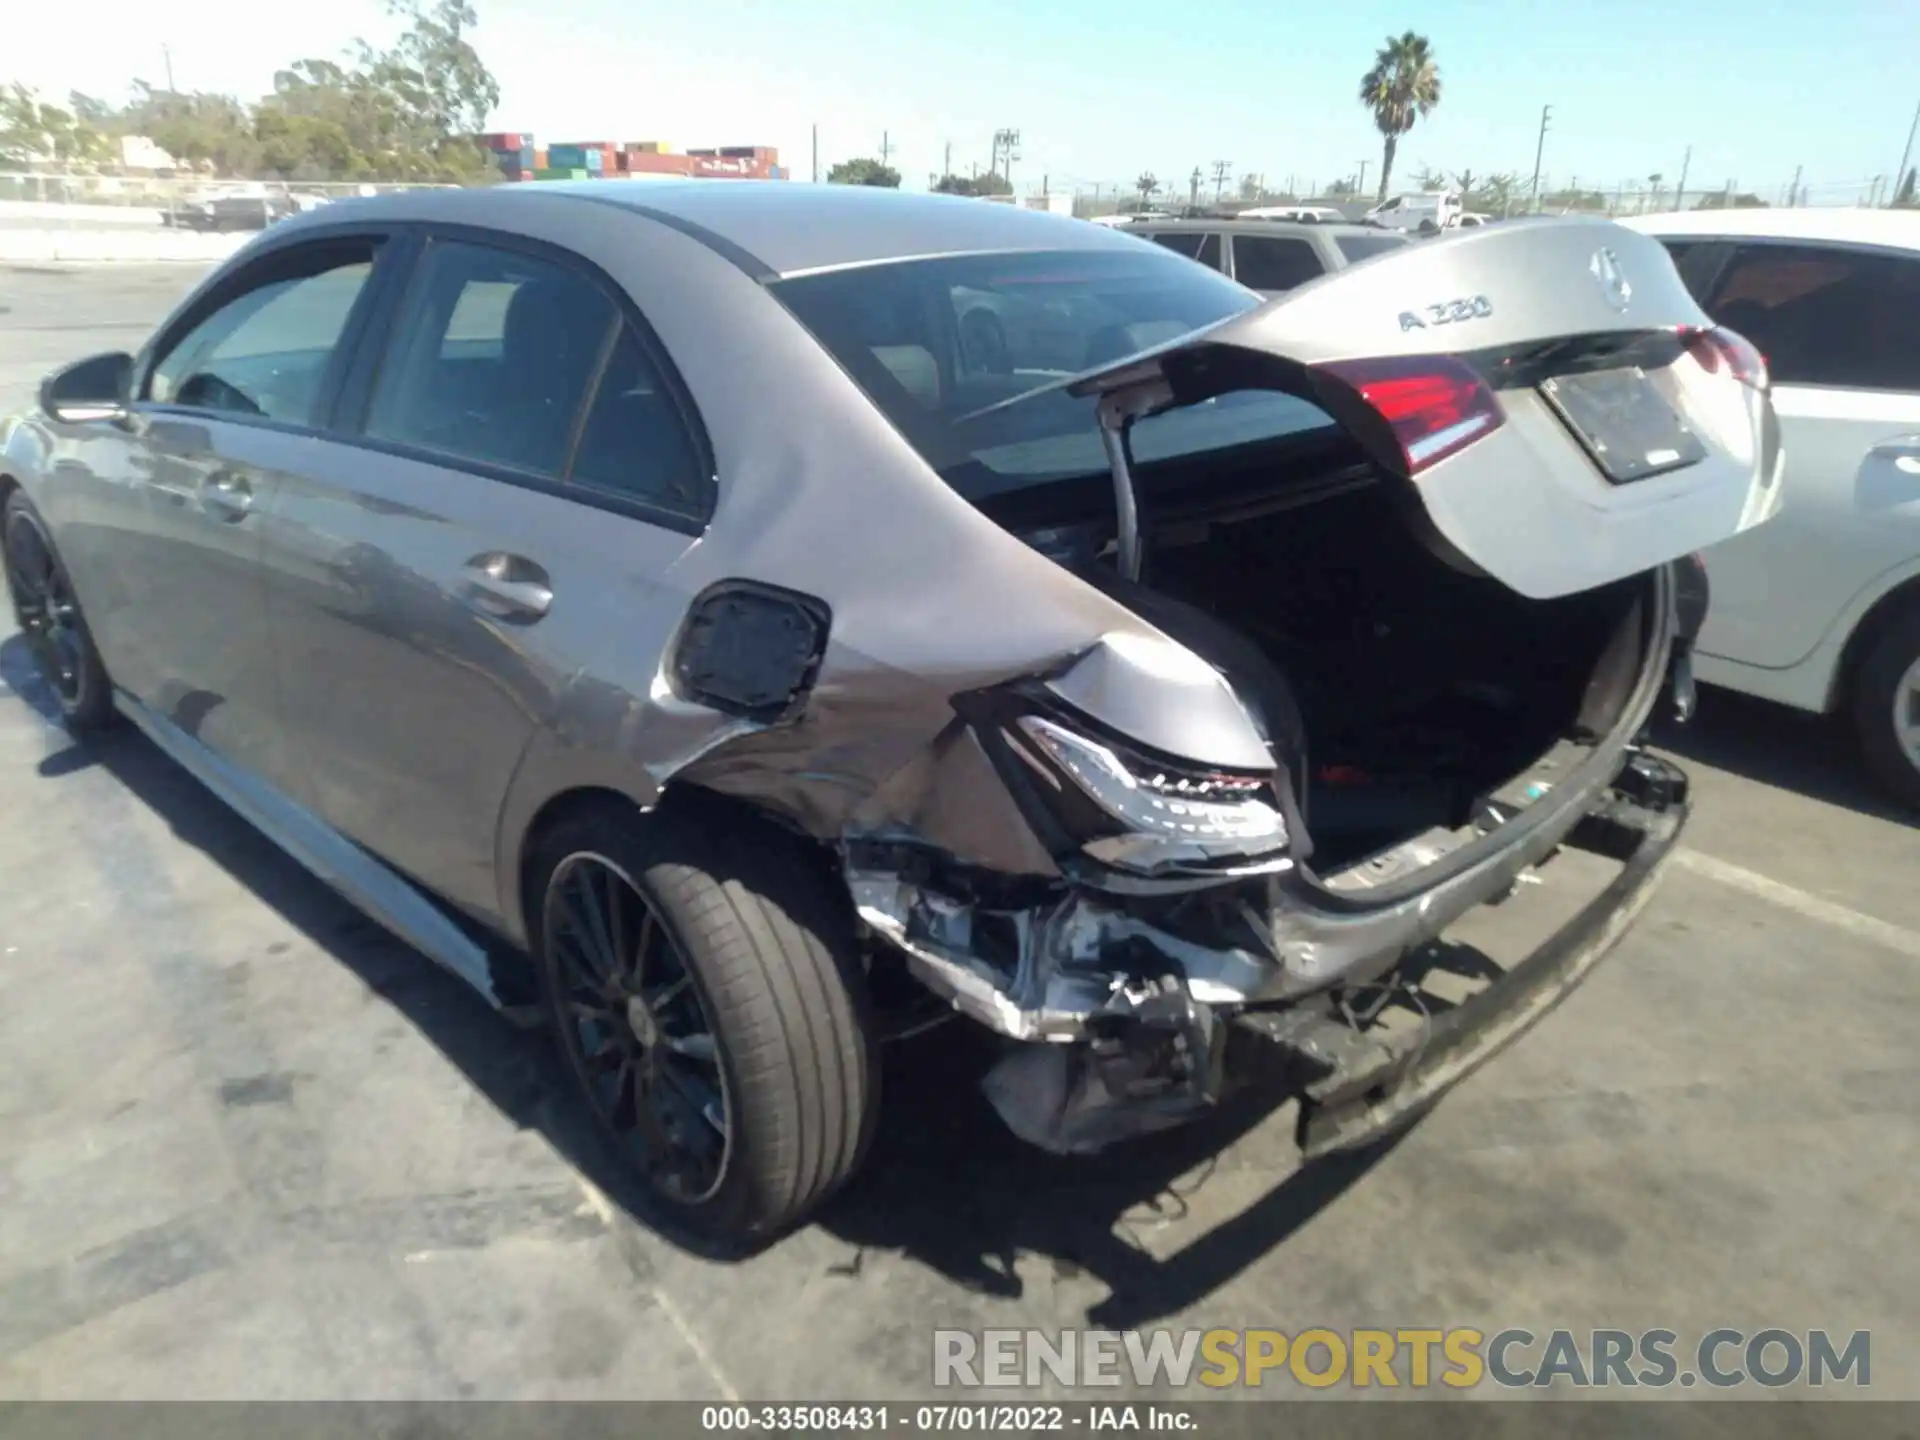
(510, 587)
(226, 496)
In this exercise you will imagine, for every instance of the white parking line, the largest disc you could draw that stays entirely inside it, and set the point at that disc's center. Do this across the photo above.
(610, 1217)
(1880, 932)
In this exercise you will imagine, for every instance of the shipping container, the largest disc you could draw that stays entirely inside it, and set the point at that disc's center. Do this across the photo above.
(539, 159)
(504, 140)
(563, 173)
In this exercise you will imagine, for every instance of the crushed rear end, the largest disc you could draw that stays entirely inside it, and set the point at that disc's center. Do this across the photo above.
(1440, 632)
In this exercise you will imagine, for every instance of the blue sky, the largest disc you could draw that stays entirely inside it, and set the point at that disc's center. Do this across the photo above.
(1103, 89)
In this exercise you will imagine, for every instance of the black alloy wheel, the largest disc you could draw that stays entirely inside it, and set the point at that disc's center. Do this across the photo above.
(636, 1028)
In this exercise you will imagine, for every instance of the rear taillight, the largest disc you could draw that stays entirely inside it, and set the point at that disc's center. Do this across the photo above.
(1435, 405)
(1721, 348)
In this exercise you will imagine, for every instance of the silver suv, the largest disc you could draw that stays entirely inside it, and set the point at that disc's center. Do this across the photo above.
(1271, 256)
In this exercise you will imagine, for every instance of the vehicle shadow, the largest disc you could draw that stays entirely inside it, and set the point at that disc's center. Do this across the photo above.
(1811, 755)
(945, 1183)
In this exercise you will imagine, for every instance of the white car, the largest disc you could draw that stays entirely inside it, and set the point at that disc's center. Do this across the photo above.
(1821, 608)
(1426, 211)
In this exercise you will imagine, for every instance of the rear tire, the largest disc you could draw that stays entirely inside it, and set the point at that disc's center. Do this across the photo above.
(768, 956)
(1886, 707)
(48, 615)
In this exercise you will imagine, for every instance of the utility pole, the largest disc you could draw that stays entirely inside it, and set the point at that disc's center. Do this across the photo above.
(1360, 189)
(1220, 169)
(1540, 149)
(886, 147)
(166, 54)
(816, 154)
(1900, 175)
(946, 165)
(1793, 194)
(1680, 190)
(1193, 189)
(1005, 148)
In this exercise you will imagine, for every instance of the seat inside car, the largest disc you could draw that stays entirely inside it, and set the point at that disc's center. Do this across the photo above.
(549, 344)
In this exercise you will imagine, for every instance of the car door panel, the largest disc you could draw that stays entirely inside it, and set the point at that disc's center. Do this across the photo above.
(410, 688)
(1850, 509)
(1836, 324)
(431, 608)
(168, 530)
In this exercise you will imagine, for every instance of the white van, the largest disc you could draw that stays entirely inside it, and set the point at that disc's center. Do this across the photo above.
(1426, 211)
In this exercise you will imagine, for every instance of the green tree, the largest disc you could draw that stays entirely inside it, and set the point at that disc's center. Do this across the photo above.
(1744, 200)
(864, 171)
(991, 183)
(1148, 185)
(1403, 85)
(1499, 191)
(32, 131)
(1428, 178)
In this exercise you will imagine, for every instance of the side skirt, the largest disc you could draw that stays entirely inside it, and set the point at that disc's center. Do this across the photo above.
(334, 859)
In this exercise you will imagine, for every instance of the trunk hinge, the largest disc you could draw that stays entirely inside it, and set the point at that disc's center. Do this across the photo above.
(1117, 411)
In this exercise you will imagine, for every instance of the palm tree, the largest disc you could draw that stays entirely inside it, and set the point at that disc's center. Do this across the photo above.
(1403, 85)
(1147, 186)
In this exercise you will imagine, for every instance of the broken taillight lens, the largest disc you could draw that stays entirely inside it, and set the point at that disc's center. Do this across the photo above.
(1720, 348)
(1435, 405)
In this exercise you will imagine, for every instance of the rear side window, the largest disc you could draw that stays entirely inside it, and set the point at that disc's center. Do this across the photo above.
(1264, 262)
(1364, 247)
(1182, 242)
(636, 442)
(494, 355)
(1824, 315)
(265, 352)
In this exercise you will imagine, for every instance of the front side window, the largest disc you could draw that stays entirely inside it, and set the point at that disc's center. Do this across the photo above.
(1262, 262)
(938, 345)
(492, 358)
(265, 353)
(1825, 315)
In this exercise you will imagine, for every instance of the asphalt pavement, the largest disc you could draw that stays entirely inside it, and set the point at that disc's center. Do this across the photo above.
(252, 1147)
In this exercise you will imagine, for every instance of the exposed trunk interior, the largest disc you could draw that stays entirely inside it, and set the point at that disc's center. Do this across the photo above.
(1420, 686)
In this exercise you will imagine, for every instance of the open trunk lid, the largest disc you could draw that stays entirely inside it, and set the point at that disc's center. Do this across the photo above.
(1565, 411)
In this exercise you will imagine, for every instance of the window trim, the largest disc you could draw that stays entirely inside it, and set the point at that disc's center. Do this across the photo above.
(1734, 244)
(354, 398)
(225, 288)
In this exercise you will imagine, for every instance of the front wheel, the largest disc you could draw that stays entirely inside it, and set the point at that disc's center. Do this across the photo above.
(48, 616)
(703, 981)
(1886, 706)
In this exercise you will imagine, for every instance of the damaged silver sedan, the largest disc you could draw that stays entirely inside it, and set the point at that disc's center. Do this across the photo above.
(688, 612)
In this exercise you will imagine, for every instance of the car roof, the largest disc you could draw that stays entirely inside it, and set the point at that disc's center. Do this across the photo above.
(1832, 223)
(1270, 227)
(776, 228)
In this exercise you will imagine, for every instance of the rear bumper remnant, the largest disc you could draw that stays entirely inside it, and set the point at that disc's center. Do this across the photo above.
(1156, 1055)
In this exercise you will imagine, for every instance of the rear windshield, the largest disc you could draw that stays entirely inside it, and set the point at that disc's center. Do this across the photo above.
(935, 342)
(1362, 247)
